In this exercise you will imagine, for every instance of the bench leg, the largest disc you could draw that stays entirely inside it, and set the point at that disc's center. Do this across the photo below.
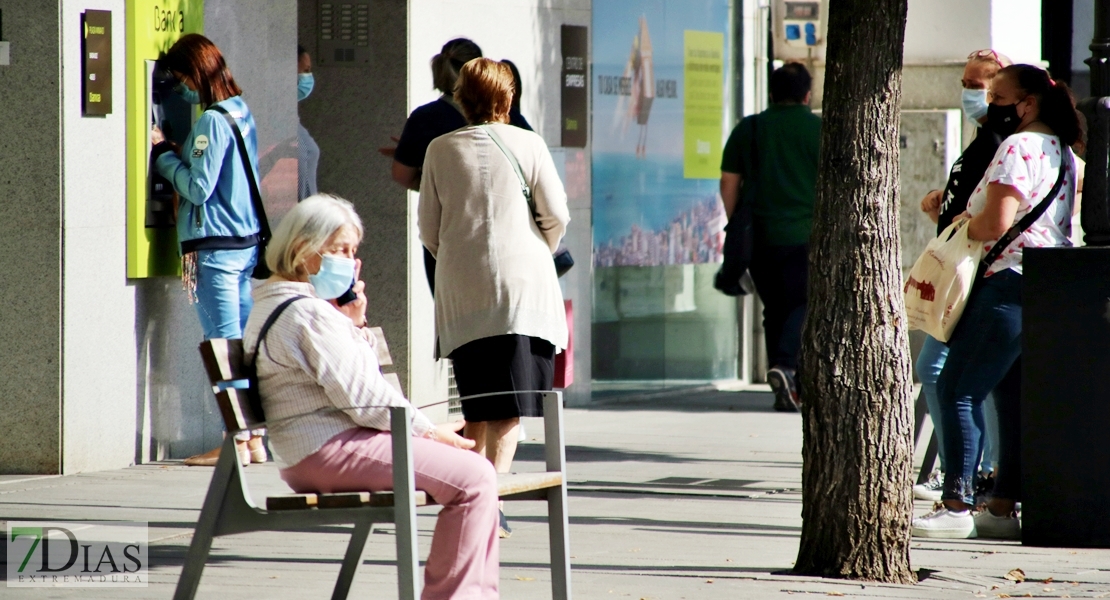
(404, 505)
(558, 526)
(205, 531)
(929, 460)
(351, 560)
(559, 533)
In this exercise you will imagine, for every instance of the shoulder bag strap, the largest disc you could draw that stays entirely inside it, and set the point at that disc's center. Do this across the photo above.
(270, 320)
(256, 196)
(1027, 221)
(524, 187)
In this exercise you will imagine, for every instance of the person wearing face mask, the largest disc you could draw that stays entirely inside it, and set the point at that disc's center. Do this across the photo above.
(942, 206)
(308, 158)
(318, 370)
(1032, 173)
(217, 225)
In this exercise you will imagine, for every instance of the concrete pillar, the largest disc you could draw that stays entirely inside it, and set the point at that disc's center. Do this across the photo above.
(30, 240)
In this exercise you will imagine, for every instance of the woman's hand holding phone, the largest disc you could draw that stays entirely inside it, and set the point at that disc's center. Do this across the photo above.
(355, 309)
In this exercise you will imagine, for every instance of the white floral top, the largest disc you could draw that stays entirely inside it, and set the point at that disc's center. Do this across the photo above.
(1030, 162)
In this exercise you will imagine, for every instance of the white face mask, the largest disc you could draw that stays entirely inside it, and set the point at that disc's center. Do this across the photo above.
(974, 104)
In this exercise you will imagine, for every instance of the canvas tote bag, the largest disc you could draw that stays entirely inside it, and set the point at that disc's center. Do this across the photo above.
(940, 281)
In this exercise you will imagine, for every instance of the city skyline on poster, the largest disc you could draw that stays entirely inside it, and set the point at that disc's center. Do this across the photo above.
(650, 208)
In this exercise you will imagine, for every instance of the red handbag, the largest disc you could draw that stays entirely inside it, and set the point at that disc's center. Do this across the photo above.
(564, 361)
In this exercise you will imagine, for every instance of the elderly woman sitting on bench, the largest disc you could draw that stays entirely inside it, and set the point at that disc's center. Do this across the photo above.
(318, 356)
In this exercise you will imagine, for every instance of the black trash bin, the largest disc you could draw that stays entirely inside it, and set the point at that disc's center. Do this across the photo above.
(1065, 404)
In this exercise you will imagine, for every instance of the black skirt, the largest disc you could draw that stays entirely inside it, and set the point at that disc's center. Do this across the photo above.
(503, 363)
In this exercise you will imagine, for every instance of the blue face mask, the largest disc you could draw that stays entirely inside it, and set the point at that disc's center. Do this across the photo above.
(336, 275)
(190, 96)
(305, 83)
(975, 104)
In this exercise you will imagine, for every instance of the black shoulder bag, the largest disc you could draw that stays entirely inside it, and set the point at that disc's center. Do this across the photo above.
(732, 279)
(249, 370)
(261, 271)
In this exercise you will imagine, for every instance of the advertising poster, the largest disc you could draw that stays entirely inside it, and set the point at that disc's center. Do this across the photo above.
(659, 89)
(658, 102)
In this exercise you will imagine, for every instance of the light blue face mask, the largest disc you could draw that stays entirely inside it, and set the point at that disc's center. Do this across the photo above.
(336, 275)
(975, 104)
(305, 83)
(190, 96)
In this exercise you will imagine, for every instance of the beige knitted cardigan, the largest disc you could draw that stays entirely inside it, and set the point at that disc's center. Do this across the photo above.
(494, 273)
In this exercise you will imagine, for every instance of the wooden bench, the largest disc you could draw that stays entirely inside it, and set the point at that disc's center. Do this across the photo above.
(228, 508)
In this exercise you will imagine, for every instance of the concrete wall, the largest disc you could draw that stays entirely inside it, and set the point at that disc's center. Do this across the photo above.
(947, 30)
(30, 244)
(98, 318)
(351, 113)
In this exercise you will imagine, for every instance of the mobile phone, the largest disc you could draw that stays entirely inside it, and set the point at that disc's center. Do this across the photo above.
(347, 297)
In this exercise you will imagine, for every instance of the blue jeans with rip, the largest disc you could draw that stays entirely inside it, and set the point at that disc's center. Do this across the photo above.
(224, 296)
(984, 354)
(929, 364)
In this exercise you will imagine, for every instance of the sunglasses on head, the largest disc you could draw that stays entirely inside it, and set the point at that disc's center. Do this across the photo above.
(988, 53)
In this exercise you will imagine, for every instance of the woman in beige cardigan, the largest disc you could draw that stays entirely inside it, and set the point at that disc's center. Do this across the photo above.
(499, 309)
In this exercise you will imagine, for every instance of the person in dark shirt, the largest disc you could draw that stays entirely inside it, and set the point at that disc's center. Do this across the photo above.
(770, 164)
(432, 120)
(943, 206)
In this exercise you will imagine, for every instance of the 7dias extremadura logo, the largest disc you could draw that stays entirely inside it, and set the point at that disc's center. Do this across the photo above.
(77, 554)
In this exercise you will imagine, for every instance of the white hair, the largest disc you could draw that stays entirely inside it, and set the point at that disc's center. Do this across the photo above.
(304, 231)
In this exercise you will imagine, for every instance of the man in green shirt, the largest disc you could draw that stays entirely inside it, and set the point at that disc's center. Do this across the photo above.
(770, 161)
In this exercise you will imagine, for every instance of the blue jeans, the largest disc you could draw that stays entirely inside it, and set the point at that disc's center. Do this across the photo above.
(224, 298)
(984, 354)
(224, 291)
(929, 364)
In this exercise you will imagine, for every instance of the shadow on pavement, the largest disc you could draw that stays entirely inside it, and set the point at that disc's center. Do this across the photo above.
(697, 401)
(580, 454)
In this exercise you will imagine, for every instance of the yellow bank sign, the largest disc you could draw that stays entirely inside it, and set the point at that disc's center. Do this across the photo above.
(152, 27)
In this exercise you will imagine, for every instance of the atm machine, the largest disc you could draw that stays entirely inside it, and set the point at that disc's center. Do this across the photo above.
(174, 116)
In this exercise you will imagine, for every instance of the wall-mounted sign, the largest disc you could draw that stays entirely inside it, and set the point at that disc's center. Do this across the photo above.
(575, 40)
(96, 88)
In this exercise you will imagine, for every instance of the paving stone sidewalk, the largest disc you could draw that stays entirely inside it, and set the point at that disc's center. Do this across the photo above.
(693, 495)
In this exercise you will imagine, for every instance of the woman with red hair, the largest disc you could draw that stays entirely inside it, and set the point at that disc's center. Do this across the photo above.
(217, 225)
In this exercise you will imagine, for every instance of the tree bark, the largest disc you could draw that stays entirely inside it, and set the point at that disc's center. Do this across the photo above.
(855, 366)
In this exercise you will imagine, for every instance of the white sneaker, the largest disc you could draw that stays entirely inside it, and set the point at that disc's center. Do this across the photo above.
(999, 528)
(930, 490)
(943, 523)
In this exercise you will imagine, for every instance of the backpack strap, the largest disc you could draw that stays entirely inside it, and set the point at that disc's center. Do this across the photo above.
(1031, 217)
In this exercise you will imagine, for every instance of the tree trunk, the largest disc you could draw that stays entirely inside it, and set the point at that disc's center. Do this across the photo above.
(855, 366)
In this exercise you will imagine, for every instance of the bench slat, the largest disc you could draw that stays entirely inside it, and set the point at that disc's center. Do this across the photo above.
(516, 483)
(291, 502)
(384, 359)
(339, 500)
(507, 485)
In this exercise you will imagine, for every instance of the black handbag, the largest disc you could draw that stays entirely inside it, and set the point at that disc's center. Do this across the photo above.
(261, 271)
(732, 278)
(563, 260)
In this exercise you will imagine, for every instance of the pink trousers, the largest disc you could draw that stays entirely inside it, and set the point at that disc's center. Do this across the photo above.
(464, 560)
